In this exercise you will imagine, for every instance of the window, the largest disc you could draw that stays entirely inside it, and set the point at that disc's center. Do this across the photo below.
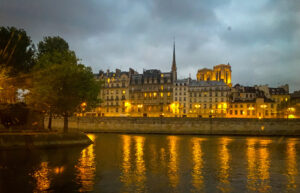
(235, 112)
(231, 112)
(123, 92)
(248, 112)
(242, 112)
(169, 94)
(161, 94)
(241, 106)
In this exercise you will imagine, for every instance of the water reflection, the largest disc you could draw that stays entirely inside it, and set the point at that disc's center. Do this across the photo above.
(258, 178)
(41, 176)
(291, 164)
(126, 164)
(224, 157)
(157, 163)
(140, 164)
(86, 168)
(133, 170)
(197, 175)
(173, 161)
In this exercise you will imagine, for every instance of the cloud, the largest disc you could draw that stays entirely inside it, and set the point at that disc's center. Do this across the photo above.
(259, 38)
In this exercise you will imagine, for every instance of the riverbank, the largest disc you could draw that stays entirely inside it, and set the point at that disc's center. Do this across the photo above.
(42, 140)
(201, 126)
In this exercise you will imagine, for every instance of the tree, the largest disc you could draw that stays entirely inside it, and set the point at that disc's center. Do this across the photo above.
(64, 86)
(51, 45)
(16, 51)
(53, 51)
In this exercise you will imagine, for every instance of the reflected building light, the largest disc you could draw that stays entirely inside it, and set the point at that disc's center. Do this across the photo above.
(140, 173)
(264, 165)
(197, 164)
(59, 169)
(258, 165)
(126, 165)
(42, 178)
(291, 164)
(86, 168)
(173, 161)
(225, 157)
(252, 164)
(264, 159)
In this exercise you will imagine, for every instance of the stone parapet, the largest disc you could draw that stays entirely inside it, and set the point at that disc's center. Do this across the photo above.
(203, 126)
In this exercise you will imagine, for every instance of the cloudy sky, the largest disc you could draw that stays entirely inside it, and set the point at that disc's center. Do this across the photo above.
(259, 38)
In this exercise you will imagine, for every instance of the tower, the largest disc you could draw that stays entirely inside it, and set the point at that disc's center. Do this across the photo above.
(174, 68)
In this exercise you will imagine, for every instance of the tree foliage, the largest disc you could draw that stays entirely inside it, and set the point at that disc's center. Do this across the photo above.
(51, 45)
(60, 84)
(16, 51)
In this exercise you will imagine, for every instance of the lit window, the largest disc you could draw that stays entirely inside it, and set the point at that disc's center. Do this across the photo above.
(161, 87)
(123, 91)
(154, 94)
(169, 94)
(161, 94)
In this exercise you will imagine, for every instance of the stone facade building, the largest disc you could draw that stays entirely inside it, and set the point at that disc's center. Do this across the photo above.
(250, 102)
(159, 94)
(221, 72)
(114, 93)
(208, 98)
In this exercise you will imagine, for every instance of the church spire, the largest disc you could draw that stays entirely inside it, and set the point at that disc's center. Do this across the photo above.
(174, 68)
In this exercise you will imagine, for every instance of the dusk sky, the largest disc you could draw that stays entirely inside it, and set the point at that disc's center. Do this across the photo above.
(259, 38)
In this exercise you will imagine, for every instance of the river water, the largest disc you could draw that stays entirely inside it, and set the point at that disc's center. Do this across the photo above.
(157, 163)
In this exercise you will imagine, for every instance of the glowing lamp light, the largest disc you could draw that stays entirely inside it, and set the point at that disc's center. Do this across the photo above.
(83, 105)
(140, 106)
(263, 106)
(291, 116)
(127, 104)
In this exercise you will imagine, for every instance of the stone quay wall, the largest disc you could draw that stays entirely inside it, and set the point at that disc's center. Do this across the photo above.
(204, 126)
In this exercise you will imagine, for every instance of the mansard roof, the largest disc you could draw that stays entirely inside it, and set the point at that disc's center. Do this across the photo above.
(207, 83)
(277, 91)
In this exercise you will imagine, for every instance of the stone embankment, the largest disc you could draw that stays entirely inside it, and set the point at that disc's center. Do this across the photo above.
(201, 126)
(43, 140)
